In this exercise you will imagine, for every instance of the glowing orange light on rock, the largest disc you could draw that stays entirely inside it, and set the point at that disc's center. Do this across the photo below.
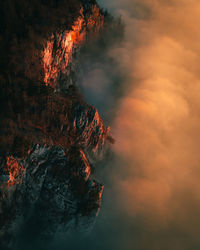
(62, 44)
(15, 171)
(59, 48)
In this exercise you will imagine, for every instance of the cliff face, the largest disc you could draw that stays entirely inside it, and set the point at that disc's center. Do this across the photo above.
(51, 189)
(38, 71)
(48, 131)
(54, 196)
(60, 46)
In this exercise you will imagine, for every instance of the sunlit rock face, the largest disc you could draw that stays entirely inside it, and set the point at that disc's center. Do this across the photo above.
(58, 51)
(60, 46)
(46, 189)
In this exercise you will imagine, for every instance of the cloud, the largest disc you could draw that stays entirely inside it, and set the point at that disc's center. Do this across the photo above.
(157, 121)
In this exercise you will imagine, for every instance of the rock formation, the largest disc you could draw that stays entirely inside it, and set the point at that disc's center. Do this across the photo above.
(48, 130)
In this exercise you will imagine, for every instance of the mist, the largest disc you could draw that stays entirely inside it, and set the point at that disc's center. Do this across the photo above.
(152, 190)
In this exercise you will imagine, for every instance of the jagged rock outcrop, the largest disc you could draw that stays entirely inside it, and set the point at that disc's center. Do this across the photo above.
(88, 127)
(51, 188)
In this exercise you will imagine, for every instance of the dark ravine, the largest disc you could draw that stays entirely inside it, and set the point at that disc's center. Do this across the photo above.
(48, 132)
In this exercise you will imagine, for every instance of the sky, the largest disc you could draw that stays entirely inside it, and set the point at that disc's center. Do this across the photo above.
(152, 190)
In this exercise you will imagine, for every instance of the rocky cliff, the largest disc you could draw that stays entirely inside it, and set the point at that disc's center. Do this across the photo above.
(48, 131)
(52, 195)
